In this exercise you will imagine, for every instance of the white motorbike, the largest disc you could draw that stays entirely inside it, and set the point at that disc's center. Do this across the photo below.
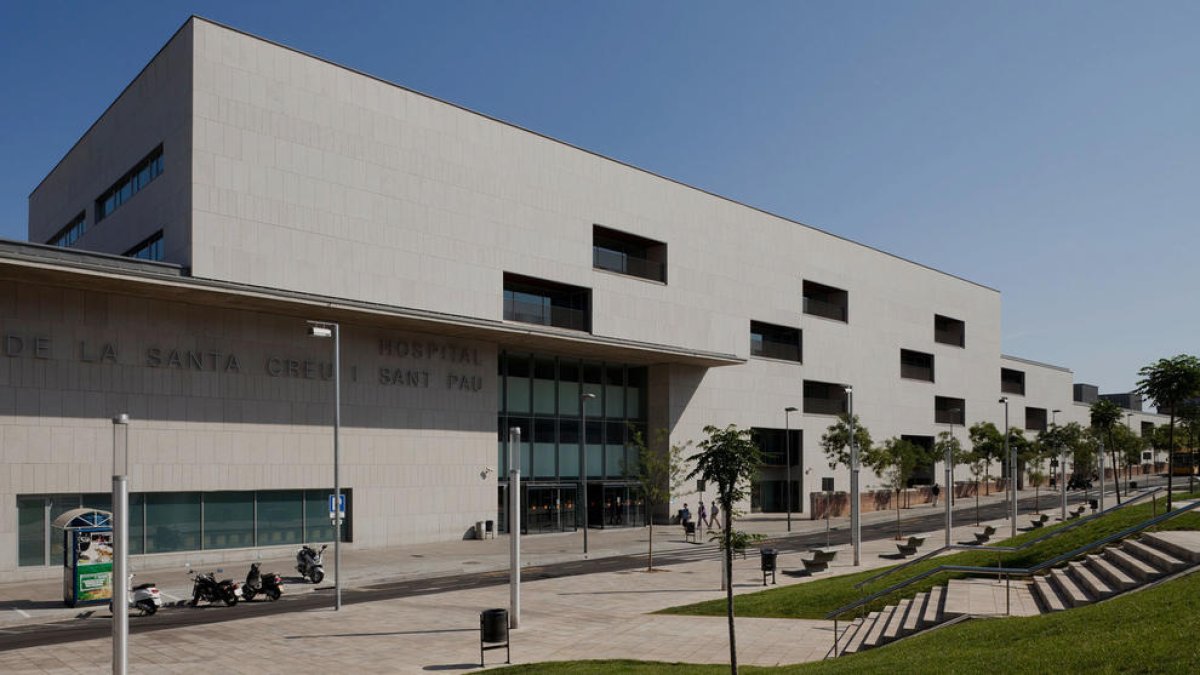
(144, 597)
(309, 565)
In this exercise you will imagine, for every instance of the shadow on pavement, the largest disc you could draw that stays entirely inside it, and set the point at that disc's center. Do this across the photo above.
(387, 634)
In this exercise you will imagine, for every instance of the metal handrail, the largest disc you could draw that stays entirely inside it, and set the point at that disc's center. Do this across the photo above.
(1008, 549)
(1016, 571)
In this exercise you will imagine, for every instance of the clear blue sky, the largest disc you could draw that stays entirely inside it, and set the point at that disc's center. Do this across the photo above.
(1047, 149)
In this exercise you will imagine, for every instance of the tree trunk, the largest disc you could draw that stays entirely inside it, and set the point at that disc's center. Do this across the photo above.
(897, 514)
(1116, 471)
(650, 548)
(733, 665)
(1171, 457)
(976, 502)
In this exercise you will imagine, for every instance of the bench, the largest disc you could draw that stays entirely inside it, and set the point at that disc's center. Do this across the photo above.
(1076, 512)
(910, 547)
(983, 537)
(689, 531)
(818, 559)
(1039, 520)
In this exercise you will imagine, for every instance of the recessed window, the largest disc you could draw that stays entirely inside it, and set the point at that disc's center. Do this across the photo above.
(948, 410)
(776, 342)
(150, 249)
(1147, 429)
(71, 233)
(546, 303)
(916, 365)
(773, 443)
(1035, 419)
(826, 301)
(824, 398)
(629, 254)
(1012, 381)
(130, 184)
(949, 331)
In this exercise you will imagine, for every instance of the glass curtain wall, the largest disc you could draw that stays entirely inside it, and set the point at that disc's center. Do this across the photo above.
(542, 395)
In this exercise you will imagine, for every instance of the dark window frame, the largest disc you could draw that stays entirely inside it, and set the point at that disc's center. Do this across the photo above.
(772, 343)
(153, 245)
(945, 328)
(1035, 415)
(943, 407)
(1010, 385)
(546, 303)
(817, 400)
(827, 302)
(132, 182)
(628, 254)
(912, 362)
(71, 232)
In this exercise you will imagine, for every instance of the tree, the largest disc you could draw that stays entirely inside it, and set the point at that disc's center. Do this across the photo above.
(978, 464)
(1170, 382)
(1128, 447)
(1104, 416)
(659, 473)
(730, 459)
(947, 441)
(894, 461)
(988, 444)
(836, 441)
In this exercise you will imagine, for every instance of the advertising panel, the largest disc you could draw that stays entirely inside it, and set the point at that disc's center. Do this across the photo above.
(93, 566)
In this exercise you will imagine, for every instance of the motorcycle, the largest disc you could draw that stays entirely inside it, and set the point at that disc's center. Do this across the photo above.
(143, 597)
(308, 563)
(206, 587)
(269, 584)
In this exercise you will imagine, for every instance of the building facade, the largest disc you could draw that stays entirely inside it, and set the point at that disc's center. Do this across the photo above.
(484, 276)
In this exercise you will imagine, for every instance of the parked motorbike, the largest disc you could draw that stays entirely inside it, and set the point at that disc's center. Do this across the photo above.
(308, 563)
(206, 587)
(144, 597)
(269, 584)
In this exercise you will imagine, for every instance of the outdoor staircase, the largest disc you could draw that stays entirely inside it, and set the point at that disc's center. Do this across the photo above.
(1135, 562)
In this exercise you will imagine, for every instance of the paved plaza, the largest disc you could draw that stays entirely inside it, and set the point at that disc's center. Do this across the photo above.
(592, 616)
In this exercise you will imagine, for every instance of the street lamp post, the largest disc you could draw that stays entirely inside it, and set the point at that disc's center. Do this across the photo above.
(325, 330)
(514, 527)
(583, 401)
(1128, 470)
(1062, 464)
(120, 525)
(787, 434)
(950, 474)
(855, 531)
(1012, 470)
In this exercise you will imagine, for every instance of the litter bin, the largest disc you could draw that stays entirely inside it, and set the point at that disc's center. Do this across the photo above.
(493, 631)
(768, 556)
(1133, 485)
(1093, 504)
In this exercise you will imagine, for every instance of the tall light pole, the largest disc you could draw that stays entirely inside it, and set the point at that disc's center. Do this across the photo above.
(855, 531)
(1062, 463)
(120, 525)
(1012, 469)
(1128, 471)
(787, 435)
(583, 401)
(514, 527)
(325, 330)
(950, 474)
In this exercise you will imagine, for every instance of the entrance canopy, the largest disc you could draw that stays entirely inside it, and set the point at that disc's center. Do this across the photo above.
(83, 518)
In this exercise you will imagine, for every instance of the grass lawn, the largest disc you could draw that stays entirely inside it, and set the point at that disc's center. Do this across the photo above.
(815, 599)
(1153, 631)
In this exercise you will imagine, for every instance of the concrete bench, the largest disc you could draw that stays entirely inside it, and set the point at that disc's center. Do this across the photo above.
(818, 559)
(983, 537)
(1039, 520)
(1076, 512)
(910, 547)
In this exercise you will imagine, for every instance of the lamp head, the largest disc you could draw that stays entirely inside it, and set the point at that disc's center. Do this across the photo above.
(319, 330)
(849, 389)
(790, 409)
(587, 397)
(1055, 411)
(123, 418)
(1003, 399)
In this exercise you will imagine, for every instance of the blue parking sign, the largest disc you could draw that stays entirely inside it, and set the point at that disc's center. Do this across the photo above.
(340, 511)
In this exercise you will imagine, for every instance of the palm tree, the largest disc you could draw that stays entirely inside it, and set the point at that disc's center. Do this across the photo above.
(1170, 382)
(730, 459)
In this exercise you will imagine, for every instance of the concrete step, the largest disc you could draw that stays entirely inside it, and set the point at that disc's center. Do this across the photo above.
(1132, 566)
(1068, 589)
(1164, 562)
(1043, 589)
(1182, 544)
(1089, 581)
(895, 627)
(856, 642)
(932, 615)
(912, 622)
(875, 636)
(1114, 576)
(847, 642)
(956, 599)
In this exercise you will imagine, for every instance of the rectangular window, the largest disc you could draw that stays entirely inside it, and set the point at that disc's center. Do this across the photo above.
(774, 445)
(31, 531)
(228, 519)
(149, 249)
(826, 301)
(1012, 381)
(130, 184)
(1035, 419)
(916, 365)
(71, 233)
(629, 254)
(949, 410)
(1147, 429)
(281, 517)
(824, 398)
(949, 331)
(172, 521)
(546, 303)
(316, 515)
(776, 342)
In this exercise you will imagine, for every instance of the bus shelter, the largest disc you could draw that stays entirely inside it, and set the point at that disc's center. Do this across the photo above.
(87, 556)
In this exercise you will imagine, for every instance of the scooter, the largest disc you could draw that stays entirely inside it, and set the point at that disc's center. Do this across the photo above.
(206, 587)
(308, 563)
(143, 597)
(269, 584)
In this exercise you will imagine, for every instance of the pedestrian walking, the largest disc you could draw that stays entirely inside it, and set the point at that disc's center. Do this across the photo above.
(701, 515)
(935, 491)
(712, 515)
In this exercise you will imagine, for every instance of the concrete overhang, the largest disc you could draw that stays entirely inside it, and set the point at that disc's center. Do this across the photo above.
(102, 273)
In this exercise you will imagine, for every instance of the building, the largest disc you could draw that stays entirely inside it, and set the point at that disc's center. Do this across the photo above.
(484, 276)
